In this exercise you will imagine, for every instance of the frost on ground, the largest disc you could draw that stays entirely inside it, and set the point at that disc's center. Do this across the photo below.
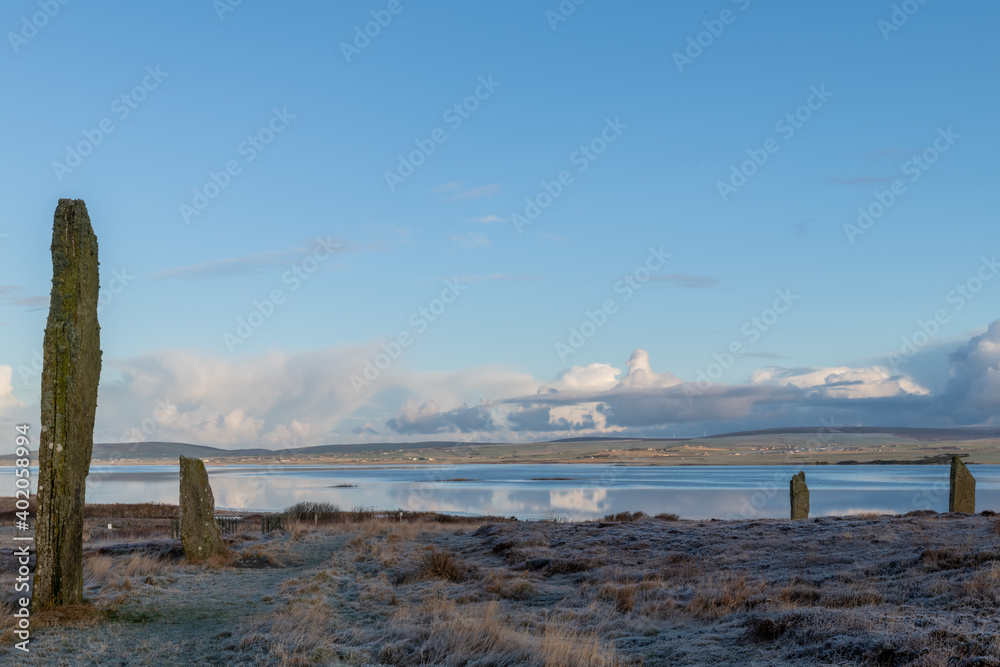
(921, 589)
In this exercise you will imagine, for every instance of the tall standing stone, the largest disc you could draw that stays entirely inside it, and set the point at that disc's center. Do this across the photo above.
(70, 374)
(799, 493)
(962, 496)
(200, 536)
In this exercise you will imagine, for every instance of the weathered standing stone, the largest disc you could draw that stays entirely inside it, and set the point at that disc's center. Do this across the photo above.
(799, 493)
(962, 497)
(70, 373)
(200, 536)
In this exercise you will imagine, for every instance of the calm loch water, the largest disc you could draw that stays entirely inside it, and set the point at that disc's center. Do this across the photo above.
(556, 491)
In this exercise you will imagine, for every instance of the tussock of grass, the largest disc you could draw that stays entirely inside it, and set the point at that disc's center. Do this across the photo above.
(441, 634)
(297, 635)
(76, 615)
(621, 596)
(723, 595)
(117, 573)
(219, 560)
(308, 511)
(439, 564)
(625, 516)
(509, 587)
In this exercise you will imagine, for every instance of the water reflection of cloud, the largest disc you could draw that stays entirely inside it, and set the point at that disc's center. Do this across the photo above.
(731, 493)
(579, 500)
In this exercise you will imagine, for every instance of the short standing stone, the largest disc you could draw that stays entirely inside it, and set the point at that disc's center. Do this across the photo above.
(962, 497)
(71, 370)
(799, 493)
(200, 536)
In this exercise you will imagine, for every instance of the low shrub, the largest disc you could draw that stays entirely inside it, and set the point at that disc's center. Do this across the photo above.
(311, 510)
(625, 516)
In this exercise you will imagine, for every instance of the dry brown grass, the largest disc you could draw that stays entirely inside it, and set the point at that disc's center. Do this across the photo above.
(724, 594)
(622, 596)
(75, 615)
(508, 586)
(565, 648)
(131, 529)
(297, 635)
(219, 560)
(441, 564)
(441, 633)
(131, 510)
(984, 585)
(625, 516)
(869, 516)
(117, 573)
(918, 590)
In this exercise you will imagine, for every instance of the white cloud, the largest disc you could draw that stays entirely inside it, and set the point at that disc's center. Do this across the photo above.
(12, 410)
(841, 381)
(285, 400)
(593, 377)
(640, 373)
(277, 399)
(8, 400)
(973, 390)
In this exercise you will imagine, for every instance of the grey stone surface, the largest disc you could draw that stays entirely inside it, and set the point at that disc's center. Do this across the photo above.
(200, 536)
(962, 495)
(799, 496)
(70, 374)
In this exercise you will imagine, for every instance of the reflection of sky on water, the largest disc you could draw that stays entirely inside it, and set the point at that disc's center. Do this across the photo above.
(591, 490)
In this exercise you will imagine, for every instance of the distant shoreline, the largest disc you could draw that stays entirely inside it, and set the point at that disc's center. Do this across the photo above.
(431, 464)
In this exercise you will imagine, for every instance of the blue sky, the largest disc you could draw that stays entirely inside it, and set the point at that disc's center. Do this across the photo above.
(204, 85)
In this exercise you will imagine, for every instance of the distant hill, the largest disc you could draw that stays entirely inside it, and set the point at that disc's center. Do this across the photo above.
(160, 451)
(923, 434)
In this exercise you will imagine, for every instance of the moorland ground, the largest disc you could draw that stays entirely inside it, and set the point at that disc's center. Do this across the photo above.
(356, 588)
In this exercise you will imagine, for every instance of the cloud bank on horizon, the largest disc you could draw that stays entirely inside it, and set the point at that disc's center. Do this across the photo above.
(291, 400)
(311, 233)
